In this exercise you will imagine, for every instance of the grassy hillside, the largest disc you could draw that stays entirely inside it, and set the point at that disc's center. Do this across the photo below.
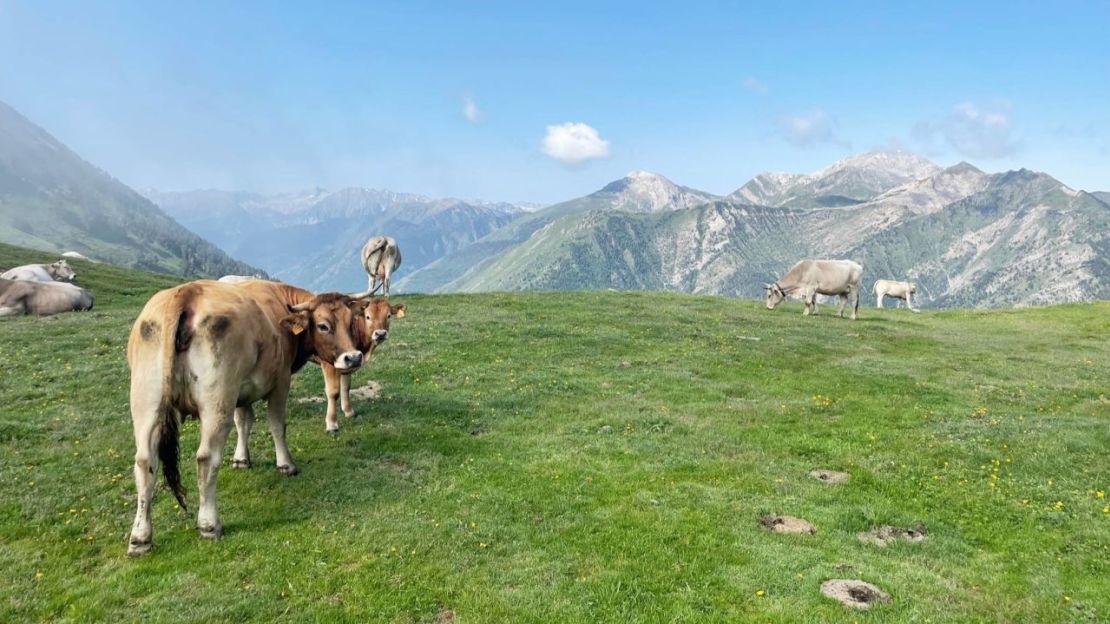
(51, 199)
(587, 457)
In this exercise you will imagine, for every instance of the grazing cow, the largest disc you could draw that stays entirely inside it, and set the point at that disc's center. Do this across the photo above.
(41, 298)
(903, 291)
(809, 278)
(370, 332)
(235, 279)
(211, 350)
(380, 257)
(57, 272)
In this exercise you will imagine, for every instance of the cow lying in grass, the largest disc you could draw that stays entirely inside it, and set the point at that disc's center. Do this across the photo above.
(370, 332)
(59, 271)
(41, 298)
(211, 350)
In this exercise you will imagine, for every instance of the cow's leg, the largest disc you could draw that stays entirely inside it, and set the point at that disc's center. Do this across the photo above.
(147, 434)
(331, 390)
(275, 414)
(878, 300)
(345, 395)
(909, 301)
(244, 419)
(215, 425)
(843, 300)
(370, 282)
(853, 297)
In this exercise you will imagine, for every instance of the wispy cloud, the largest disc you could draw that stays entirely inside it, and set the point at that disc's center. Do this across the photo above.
(574, 143)
(810, 129)
(971, 130)
(753, 84)
(470, 110)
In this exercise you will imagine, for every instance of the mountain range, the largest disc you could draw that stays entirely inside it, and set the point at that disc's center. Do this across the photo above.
(51, 199)
(968, 238)
(314, 238)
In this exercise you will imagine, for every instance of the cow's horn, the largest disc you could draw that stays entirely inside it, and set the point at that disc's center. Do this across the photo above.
(300, 307)
(362, 295)
(766, 287)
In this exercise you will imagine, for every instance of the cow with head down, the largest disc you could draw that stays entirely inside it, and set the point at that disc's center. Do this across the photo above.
(809, 278)
(370, 332)
(211, 350)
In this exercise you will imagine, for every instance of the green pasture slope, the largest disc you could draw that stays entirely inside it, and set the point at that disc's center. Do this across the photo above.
(587, 457)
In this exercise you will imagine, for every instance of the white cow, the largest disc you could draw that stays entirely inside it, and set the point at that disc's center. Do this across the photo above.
(903, 291)
(235, 279)
(59, 271)
(380, 257)
(809, 278)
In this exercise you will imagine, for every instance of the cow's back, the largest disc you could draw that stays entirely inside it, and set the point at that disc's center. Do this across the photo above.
(29, 273)
(224, 342)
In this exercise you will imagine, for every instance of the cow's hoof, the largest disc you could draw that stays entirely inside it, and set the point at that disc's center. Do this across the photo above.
(288, 471)
(350, 414)
(332, 431)
(211, 531)
(241, 464)
(136, 548)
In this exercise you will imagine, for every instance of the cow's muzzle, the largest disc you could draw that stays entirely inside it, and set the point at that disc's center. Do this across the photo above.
(379, 336)
(348, 362)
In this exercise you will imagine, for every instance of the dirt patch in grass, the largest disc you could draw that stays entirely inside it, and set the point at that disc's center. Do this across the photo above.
(787, 524)
(372, 390)
(854, 593)
(886, 535)
(829, 476)
(311, 399)
(445, 616)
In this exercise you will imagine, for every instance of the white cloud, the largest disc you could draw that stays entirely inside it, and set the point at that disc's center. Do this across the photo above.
(753, 84)
(574, 143)
(810, 129)
(470, 110)
(971, 130)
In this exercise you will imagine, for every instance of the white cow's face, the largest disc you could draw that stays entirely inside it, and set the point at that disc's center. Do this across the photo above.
(774, 295)
(61, 272)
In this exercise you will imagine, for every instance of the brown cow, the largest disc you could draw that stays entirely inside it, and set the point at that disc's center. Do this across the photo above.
(211, 350)
(41, 298)
(369, 333)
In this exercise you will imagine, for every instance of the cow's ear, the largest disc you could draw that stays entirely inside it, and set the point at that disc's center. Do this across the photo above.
(358, 305)
(398, 310)
(295, 323)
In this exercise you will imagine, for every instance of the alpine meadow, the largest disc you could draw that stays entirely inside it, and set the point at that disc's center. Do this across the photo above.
(598, 312)
(584, 457)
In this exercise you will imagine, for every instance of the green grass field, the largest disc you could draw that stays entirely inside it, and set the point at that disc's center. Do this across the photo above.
(586, 457)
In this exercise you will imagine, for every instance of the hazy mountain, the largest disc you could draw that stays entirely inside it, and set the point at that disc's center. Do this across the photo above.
(850, 181)
(1103, 196)
(637, 192)
(313, 238)
(51, 199)
(967, 237)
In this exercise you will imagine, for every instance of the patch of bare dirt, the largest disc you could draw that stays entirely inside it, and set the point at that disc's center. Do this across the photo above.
(312, 399)
(854, 593)
(372, 390)
(829, 476)
(787, 524)
(886, 535)
(445, 616)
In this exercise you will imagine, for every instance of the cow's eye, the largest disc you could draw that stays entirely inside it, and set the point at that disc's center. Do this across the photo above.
(324, 327)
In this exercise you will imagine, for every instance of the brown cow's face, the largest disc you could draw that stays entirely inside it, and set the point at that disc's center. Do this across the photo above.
(376, 317)
(774, 295)
(330, 320)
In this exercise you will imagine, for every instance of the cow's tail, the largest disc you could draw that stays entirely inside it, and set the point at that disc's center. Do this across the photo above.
(176, 335)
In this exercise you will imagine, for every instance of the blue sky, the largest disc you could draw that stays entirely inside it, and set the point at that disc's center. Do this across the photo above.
(547, 101)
